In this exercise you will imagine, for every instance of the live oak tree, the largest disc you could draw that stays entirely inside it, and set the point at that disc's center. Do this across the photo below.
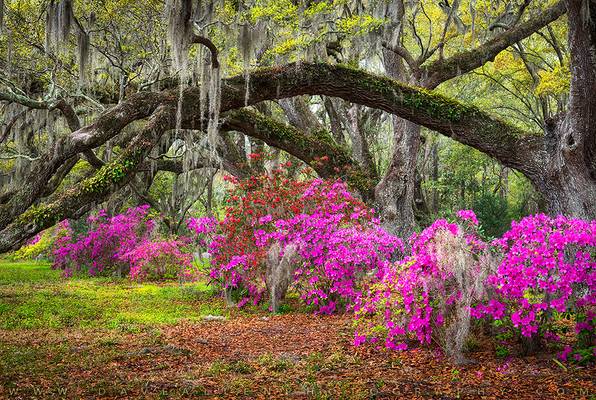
(127, 129)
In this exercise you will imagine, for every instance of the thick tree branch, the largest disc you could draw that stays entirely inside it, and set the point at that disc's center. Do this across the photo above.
(309, 147)
(26, 101)
(466, 124)
(403, 53)
(209, 44)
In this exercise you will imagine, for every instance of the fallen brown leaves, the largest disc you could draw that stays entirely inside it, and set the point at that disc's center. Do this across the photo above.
(278, 356)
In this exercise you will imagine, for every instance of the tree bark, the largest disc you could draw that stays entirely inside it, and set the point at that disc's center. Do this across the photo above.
(395, 193)
(569, 180)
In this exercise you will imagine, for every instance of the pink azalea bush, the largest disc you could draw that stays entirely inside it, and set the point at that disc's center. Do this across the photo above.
(159, 261)
(334, 256)
(100, 250)
(541, 267)
(427, 296)
(548, 267)
(122, 245)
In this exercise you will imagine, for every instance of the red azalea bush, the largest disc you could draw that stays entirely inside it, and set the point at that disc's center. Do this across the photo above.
(334, 234)
(237, 262)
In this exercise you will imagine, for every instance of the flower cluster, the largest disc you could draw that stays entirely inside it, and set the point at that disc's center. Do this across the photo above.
(122, 245)
(336, 237)
(237, 262)
(160, 260)
(427, 295)
(547, 267)
(338, 242)
(203, 229)
(540, 267)
(99, 251)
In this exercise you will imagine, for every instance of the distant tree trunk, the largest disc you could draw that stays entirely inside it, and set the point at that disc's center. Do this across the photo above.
(504, 182)
(421, 205)
(209, 201)
(394, 194)
(356, 128)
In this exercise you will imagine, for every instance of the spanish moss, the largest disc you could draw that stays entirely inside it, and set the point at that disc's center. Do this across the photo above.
(58, 23)
(83, 55)
(178, 14)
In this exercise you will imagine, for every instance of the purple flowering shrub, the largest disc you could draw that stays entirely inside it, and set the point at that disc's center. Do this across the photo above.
(334, 256)
(541, 268)
(101, 250)
(203, 231)
(123, 245)
(547, 268)
(427, 296)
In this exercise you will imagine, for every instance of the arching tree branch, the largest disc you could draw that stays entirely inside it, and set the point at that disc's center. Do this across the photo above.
(309, 147)
(77, 200)
(464, 123)
(209, 44)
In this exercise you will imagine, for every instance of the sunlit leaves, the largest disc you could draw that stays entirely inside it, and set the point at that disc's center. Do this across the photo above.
(554, 82)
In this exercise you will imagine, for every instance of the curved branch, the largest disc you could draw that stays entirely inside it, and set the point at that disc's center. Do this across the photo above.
(309, 147)
(10, 124)
(403, 53)
(77, 200)
(209, 44)
(464, 123)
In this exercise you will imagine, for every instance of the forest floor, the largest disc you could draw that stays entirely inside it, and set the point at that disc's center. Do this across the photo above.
(102, 338)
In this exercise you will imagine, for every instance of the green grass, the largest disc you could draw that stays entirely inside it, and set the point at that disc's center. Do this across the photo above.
(33, 296)
(22, 272)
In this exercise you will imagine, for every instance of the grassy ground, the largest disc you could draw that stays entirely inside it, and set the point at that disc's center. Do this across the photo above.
(106, 338)
(34, 296)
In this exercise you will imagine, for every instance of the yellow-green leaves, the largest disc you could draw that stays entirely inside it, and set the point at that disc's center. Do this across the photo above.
(554, 82)
(359, 24)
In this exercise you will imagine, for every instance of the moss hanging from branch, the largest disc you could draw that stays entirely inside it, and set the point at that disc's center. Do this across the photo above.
(83, 54)
(178, 14)
(59, 18)
(1, 15)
